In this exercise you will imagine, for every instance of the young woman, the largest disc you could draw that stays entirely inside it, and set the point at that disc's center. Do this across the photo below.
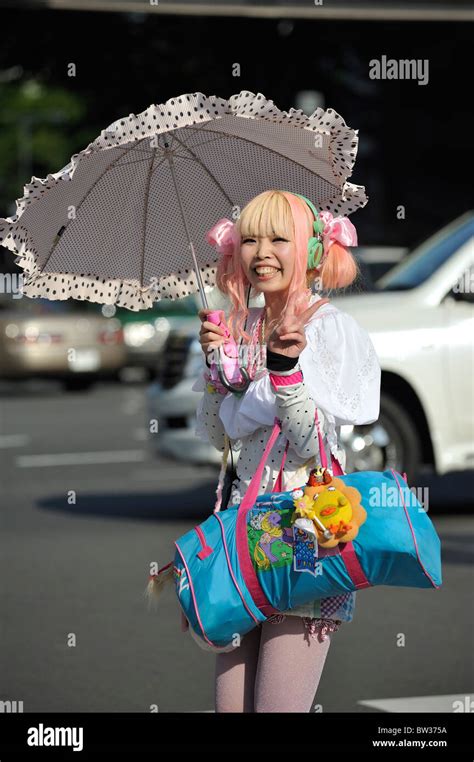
(301, 352)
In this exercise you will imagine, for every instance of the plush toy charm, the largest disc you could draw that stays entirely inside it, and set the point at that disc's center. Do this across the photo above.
(301, 515)
(328, 509)
(318, 477)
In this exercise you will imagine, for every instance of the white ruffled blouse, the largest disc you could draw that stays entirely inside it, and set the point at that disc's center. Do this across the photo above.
(341, 376)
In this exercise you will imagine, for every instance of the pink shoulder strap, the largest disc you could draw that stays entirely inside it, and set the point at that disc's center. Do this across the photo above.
(251, 494)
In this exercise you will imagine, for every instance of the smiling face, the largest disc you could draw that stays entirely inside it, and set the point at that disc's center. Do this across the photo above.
(268, 261)
(267, 241)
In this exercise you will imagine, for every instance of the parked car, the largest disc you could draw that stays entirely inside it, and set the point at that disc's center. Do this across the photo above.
(421, 321)
(145, 331)
(375, 261)
(59, 340)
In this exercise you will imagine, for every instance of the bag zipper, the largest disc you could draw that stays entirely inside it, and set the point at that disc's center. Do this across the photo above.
(206, 549)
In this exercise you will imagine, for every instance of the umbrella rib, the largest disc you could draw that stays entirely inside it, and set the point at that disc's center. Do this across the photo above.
(159, 163)
(196, 129)
(246, 141)
(145, 215)
(277, 153)
(204, 142)
(179, 156)
(89, 190)
(135, 161)
(205, 169)
(129, 163)
(175, 139)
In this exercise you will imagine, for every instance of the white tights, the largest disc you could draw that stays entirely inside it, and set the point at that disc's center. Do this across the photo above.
(276, 668)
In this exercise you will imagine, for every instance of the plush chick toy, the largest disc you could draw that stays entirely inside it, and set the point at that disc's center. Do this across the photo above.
(333, 508)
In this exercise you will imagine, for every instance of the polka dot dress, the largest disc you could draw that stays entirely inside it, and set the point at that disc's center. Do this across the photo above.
(296, 410)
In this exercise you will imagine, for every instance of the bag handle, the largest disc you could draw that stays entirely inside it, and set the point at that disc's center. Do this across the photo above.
(251, 493)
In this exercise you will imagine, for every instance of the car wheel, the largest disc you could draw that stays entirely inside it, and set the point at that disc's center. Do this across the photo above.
(391, 442)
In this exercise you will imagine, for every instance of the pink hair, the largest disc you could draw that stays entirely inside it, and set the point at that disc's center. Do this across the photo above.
(275, 212)
(339, 268)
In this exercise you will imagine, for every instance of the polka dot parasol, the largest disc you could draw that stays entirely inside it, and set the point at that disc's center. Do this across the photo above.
(124, 221)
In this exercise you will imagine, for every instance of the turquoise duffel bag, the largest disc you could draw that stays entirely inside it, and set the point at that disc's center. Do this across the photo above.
(244, 564)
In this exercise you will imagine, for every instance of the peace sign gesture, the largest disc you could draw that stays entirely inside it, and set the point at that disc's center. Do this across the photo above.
(289, 337)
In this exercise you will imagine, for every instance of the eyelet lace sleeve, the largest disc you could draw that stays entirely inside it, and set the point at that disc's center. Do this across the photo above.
(341, 367)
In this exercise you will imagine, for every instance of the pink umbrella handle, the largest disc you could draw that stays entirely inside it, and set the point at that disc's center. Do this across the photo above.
(233, 377)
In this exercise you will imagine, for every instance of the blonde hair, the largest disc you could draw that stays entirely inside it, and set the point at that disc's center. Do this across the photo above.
(280, 213)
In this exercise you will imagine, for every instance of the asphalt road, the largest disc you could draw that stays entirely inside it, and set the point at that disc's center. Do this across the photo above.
(86, 507)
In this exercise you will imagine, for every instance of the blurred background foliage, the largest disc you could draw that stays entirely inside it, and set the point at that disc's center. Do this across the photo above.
(41, 127)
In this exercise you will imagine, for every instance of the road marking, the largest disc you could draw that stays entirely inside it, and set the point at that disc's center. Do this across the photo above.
(13, 440)
(420, 703)
(81, 458)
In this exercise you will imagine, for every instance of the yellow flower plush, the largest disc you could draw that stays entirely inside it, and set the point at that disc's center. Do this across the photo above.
(334, 509)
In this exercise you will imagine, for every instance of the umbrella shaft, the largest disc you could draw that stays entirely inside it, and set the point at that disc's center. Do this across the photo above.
(191, 245)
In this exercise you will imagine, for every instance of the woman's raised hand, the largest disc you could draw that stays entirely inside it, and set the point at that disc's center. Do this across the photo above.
(289, 337)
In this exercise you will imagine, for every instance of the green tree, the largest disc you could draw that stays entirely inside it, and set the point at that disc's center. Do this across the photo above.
(38, 135)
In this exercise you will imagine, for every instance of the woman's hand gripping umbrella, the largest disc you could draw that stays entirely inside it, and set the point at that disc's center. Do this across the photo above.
(225, 368)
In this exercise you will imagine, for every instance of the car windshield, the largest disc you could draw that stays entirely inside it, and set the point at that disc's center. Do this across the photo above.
(418, 266)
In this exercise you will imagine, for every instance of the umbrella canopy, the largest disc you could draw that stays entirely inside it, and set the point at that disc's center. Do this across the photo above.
(124, 221)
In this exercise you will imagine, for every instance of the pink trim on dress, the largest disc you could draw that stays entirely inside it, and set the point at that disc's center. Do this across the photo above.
(276, 380)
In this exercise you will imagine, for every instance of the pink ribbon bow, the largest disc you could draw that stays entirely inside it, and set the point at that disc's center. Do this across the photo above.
(338, 229)
(223, 236)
